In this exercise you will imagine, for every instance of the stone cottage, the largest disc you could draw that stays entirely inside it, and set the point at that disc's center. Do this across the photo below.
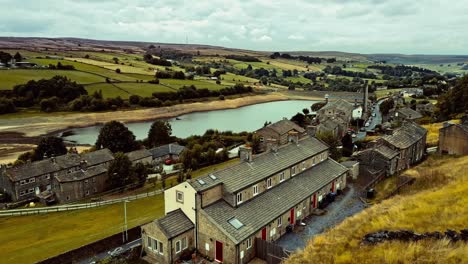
(453, 139)
(279, 132)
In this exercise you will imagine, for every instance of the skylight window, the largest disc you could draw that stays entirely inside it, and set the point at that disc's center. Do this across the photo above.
(200, 181)
(213, 177)
(236, 223)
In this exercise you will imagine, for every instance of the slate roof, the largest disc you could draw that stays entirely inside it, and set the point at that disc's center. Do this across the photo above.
(463, 126)
(174, 223)
(172, 148)
(268, 206)
(62, 162)
(329, 124)
(409, 113)
(284, 126)
(82, 174)
(349, 163)
(243, 174)
(386, 151)
(138, 154)
(406, 135)
(339, 104)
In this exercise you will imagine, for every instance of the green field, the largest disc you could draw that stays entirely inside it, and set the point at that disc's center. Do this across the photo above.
(10, 78)
(300, 79)
(176, 84)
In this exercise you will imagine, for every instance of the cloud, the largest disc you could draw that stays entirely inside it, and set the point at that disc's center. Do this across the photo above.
(365, 26)
(296, 37)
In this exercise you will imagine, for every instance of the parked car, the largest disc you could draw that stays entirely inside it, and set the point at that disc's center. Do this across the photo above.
(367, 124)
(373, 114)
(117, 251)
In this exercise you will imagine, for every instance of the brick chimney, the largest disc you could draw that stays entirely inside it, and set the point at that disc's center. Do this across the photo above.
(293, 136)
(272, 145)
(245, 153)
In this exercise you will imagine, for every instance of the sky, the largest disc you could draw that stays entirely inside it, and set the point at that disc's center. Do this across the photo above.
(363, 26)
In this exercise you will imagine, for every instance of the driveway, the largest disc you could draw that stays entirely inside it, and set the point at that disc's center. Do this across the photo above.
(344, 206)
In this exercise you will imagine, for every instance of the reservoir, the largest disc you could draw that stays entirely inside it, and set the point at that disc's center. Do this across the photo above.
(247, 118)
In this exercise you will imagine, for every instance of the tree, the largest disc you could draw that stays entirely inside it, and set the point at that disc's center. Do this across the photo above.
(332, 141)
(347, 143)
(120, 171)
(117, 70)
(134, 99)
(305, 111)
(116, 137)
(18, 57)
(159, 133)
(116, 60)
(255, 144)
(315, 107)
(140, 173)
(5, 57)
(299, 119)
(6, 106)
(49, 147)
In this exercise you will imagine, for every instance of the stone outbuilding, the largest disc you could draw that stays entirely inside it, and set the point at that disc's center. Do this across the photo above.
(140, 156)
(453, 139)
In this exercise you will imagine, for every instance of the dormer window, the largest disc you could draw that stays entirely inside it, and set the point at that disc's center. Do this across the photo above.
(293, 170)
(282, 176)
(303, 165)
(255, 189)
(239, 198)
(269, 183)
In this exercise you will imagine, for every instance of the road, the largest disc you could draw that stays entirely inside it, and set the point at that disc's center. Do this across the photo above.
(373, 123)
(107, 254)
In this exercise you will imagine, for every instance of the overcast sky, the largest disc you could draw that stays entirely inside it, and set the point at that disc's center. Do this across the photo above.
(365, 26)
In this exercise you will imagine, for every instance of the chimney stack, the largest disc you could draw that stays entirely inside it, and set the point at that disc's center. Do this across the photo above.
(366, 96)
(311, 130)
(272, 145)
(293, 136)
(245, 153)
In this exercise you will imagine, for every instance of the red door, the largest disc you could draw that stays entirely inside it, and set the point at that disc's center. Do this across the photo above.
(264, 233)
(333, 187)
(314, 200)
(219, 251)
(291, 217)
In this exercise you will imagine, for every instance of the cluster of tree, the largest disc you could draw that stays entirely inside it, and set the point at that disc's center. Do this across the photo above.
(332, 141)
(343, 84)
(203, 150)
(123, 173)
(7, 106)
(116, 137)
(401, 70)
(386, 106)
(170, 75)
(199, 70)
(337, 70)
(6, 57)
(95, 103)
(191, 92)
(455, 100)
(156, 61)
(244, 58)
(307, 59)
(48, 147)
(60, 66)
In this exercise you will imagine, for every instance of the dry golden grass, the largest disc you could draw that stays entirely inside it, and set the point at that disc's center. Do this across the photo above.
(435, 202)
(433, 132)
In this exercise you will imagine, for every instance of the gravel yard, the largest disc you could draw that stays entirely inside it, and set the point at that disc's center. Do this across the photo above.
(344, 206)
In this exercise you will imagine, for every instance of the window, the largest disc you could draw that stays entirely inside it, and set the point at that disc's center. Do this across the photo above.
(161, 248)
(47, 176)
(22, 193)
(262, 139)
(272, 232)
(32, 180)
(239, 198)
(236, 223)
(255, 189)
(249, 243)
(149, 242)
(94, 179)
(207, 247)
(180, 196)
(155, 245)
(86, 181)
(269, 183)
(242, 254)
(23, 182)
(281, 176)
(177, 246)
(279, 221)
(304, 205)
(184, 243)
(87, 192)
(303, 165)
(68, 198)
(293, 170)
(313, 161)
(31, 190)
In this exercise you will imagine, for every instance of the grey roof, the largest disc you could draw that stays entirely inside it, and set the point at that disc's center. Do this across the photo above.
(265, 208)
(409, 113)
(339, 104)
(241, 175)
(82, 174)
(406, 135)
(174, 223)
(284, 126)
(329, 124)
(386, 151)
(463, 126)
(138, 154)
(58, 163)
(349, 163)
(172, 148)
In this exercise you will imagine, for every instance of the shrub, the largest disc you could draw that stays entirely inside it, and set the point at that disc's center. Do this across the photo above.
(221, 97)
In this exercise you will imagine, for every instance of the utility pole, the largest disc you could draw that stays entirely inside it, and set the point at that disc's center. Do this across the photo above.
(125, 232)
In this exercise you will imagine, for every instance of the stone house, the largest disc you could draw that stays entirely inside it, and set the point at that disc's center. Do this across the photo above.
(425, 109)
(409, 141)
(406, 113)
(453, 139)
(337, 109)
(170, 151)
(377, 160)
(140, 156)
(353, 168)
(262, 196)
(25, 182)
(80, 184)
(332, 125)
(279, 132)
(164, 239)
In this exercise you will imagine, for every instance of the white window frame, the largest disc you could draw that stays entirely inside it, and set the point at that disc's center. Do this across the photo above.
(180, 200)
(180, 246)
(269, 183)
(255, 189)
(207, 246)
(184, 243)
(87, 192)
(30, 190)
(149, 242)
(303, 165)
(47, 176)
(154, 246)
(279, 221)
(161, 248)
(282, 176)
(249, 243)
(239, 197)
(22, 193)
(31, 180)
(23, 182)
(293, 170)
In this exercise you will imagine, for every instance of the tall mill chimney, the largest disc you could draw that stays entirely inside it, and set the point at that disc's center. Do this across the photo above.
(366, 97)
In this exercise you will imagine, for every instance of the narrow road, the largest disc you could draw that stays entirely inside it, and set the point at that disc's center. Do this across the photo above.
(112, 252)
(344, 206)
(372, 124)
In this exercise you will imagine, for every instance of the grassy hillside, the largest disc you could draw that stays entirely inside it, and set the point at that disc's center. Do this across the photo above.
(433, 132)
(435, 202)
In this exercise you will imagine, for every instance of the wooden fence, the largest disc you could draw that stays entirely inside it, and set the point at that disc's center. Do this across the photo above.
(269, 252)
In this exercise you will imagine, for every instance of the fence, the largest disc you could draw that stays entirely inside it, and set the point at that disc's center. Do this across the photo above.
(269, 252)
(71, 207)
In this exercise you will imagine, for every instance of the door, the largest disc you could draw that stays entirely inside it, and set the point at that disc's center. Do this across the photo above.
(291, 217)
(314, 200)
(219, 251)
(264, 233)
(333, 187)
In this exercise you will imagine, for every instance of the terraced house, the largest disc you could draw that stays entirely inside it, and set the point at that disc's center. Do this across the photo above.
(263, 197)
